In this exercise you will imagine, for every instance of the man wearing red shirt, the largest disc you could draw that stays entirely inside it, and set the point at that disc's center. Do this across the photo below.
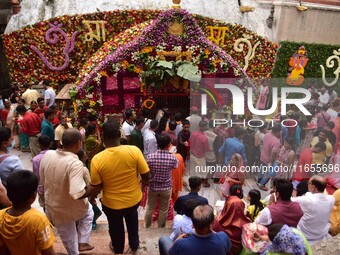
(30, 125)
(199, 145)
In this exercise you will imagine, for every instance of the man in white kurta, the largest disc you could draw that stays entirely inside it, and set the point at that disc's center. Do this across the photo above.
(62, 175)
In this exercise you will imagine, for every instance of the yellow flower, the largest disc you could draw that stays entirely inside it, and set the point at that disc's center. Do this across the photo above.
(147, 49)
(207, 52)
(125, 64)
(137, 69)
(92, 103)
(103, 73)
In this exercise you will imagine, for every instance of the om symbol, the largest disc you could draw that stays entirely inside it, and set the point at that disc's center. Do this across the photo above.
(52, 37)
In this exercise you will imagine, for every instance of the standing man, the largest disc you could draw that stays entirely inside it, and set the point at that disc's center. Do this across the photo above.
(149, 138)
(47, 127)
(322, 137)
(30, 125)
(234, 145)
(194, 119)
(62, 176)
(64, 125)
(49, 94)
(129, 125)
(269, 154)
(199, 145)
(136, 137)
(316, 208)
(117, 170)
(161, 164)
(29, 94)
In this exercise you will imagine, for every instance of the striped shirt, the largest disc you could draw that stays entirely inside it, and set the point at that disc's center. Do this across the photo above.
(161, 164)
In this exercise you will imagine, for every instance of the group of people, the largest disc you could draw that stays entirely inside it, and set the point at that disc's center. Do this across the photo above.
(142, 162)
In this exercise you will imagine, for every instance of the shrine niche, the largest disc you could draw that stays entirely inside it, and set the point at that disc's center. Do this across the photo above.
(297, 65)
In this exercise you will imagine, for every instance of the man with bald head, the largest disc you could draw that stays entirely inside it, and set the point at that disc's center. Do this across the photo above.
(62, 176)
(203, 241)
(316, 207)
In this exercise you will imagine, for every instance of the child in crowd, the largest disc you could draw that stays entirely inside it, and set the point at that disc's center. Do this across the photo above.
(256, 205)
(24, 230)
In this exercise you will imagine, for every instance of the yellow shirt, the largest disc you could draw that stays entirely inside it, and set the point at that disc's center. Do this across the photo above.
(117, 168)
(329, 148)
(28, 233)
(251, 211)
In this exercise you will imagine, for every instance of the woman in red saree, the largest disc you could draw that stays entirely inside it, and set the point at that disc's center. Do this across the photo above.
(231, 220)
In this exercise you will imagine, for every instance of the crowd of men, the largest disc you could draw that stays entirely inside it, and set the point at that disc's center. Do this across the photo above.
(145, 158)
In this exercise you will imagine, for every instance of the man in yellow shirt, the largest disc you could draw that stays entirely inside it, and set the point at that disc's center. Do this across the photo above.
(24, 230)
(322, 137)
(117, 170)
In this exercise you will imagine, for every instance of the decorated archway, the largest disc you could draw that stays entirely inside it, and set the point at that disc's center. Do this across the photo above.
(169, 52)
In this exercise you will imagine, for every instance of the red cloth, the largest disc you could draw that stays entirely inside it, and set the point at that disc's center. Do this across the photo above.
(303, 165)
(199, 144)
(30, 124)
(40, 112)
(231, 220)
(286, 212)
(3, 115)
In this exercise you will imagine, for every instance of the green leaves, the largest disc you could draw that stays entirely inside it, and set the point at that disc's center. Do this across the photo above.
(189, 71)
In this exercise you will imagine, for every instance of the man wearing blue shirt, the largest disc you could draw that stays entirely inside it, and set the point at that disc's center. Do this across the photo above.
(234, 145)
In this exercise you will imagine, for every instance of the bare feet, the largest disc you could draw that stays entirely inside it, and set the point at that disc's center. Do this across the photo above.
(85, 247)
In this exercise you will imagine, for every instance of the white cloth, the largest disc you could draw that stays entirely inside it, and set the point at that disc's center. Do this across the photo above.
(49, 94)
(324, 99)
(314, 223)
(146, 126)
(264, 218)
(150, 142)
(210, 155)
(182, 225)
(194, 120)
(74, 232)
(127, 128)
(332, 113)
(178, 129)
(9, 165)
(58, 133)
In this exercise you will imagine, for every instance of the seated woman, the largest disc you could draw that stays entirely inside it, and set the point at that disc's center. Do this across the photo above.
(234, 174)
(256, 205)
(232, 218)
(285, 240)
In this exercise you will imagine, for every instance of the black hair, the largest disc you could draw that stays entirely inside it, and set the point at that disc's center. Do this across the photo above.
(290, 141)
(26, 86)
(44, 141)
(185, 122)
(21, 186)
(276, 128)
(236, 190)
(330, 124)
(302, 188)
(163, 141)
(202, 123)
(40, 99)
(83, 122)
(153, 124)
(46, 83)
(145, 113)
(128, 113)
(111, 130)
(194, 182)
(21, 108)
(81, 153)
(5, 134)
(323, 131)
(172, 125)
(285, 189)
(273, 230)
(320, 185)
(255, 199)
(91, 128)
(70, 137)
(203, 216)
(189, 206)
(178, 116)
(321, 146)
(239, 131)
(123, 141)
(48, 113)
(139, 120)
